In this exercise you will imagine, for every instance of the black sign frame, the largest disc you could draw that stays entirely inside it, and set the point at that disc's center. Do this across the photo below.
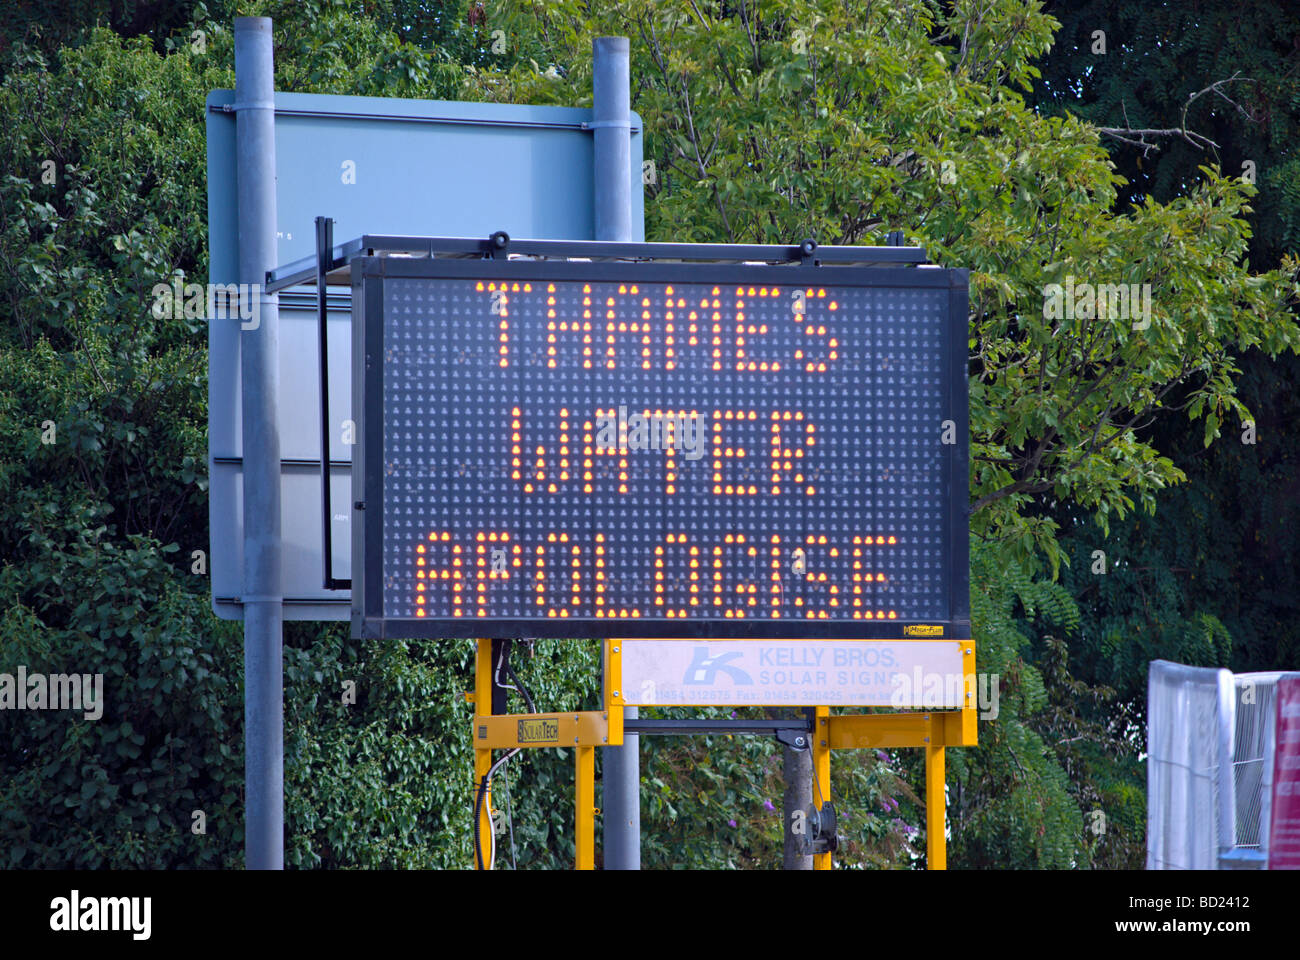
(368, 276)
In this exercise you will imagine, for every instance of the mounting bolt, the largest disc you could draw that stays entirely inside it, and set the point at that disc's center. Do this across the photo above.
(500, 239)
(823, 743)
(616, 650)
(575, 739)
(799, 741)
(616, 693)
(926, 740)
(968, 650)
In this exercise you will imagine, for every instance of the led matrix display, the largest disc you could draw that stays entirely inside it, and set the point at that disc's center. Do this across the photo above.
(613, 455)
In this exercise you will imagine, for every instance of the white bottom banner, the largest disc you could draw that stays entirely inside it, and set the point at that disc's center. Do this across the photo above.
(864, 673)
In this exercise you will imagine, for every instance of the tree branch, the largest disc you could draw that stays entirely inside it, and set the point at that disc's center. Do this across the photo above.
(1127, 133)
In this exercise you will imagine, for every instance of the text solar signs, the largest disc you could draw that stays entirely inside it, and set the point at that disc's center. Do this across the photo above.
(639, 449)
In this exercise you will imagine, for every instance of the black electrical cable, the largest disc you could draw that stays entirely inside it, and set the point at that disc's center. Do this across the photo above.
(486, 782)
(510, 818)
(503, 662)
(522, 689)
(478, 810)
(478, 807)
(502, 657)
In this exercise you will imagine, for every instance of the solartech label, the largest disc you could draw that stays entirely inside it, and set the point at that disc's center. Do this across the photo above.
(539, 730)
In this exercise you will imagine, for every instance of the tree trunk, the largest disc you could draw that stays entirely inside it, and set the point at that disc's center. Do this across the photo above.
(795, 803)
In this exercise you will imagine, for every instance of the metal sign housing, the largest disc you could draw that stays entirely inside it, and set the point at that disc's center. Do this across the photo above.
(607, 444)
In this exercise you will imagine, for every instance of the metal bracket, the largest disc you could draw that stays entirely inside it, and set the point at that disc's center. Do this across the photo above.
(806, 251)
(796, 739)
(247, 105)
(792, 736)
(498, 245)
(482, 248)
(648, 726)
(324, 263)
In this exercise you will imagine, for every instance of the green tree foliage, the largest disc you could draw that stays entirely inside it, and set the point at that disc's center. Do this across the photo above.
(766, 122)
(47, 27)
(1201, 581)
(86, 583)
(1159, 54)
(103, 462)
(1206, 579)
(770, 122)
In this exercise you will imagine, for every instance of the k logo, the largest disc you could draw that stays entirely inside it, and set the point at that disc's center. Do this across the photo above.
(704, 668)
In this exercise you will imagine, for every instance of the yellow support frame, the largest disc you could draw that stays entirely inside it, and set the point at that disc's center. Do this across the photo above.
(870, 731)
(584, 807)
(584, 730)
(936, 840)
(483, 756)
(932, 730)
(821, 764)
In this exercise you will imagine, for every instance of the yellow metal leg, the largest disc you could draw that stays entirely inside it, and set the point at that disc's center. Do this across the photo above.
(483, 758)
(482, 761)
(584, 775)
(936, 845)
(821, 758)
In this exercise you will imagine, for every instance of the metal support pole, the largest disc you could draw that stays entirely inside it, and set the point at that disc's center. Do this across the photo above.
(798, 796)
(621, 766)
(821, 764)
(260, 372)
(936, 844)
(612, 137)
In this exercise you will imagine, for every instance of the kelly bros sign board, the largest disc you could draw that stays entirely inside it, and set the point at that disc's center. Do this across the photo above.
(870, 673)
(561, 448)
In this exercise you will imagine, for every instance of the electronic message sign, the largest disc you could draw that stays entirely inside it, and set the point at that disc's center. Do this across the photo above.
(561, 448)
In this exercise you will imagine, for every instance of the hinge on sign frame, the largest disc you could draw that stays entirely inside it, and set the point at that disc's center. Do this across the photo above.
(795, 738)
